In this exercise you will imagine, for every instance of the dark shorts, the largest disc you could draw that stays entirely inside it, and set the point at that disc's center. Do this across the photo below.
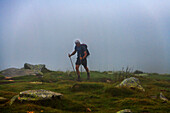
(83, 62)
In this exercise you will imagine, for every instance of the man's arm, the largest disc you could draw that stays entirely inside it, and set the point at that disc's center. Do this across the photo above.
(74, 52)
(85, 54)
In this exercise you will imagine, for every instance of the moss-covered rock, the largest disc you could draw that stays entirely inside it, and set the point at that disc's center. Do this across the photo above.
(131, 82)
(162, 97)
(124, 111)
(35, 95)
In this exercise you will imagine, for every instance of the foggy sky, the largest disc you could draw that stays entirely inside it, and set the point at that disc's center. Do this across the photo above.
(133, 33)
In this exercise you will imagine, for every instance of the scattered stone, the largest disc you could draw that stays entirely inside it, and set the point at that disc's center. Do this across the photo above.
(30, 112)
(88, 110)
(36, 95)
(108, 81)
(141, 75)
(162, 97)
(36, 82)
(124, 111)
(131, 82)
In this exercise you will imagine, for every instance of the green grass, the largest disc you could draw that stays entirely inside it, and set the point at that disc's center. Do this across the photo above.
(1, 77)
(97, 94)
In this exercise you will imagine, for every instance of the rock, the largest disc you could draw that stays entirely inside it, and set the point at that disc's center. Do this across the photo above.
(36, 95)
(108, 81)
(28, 69)
(88, 110)
(40, 68)
(14, 72)
(162, 97)
(141, 75)
(124, 111)
(36, 82)
(131, 82)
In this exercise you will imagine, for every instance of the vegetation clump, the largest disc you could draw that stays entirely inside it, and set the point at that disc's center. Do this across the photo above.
(94, 95)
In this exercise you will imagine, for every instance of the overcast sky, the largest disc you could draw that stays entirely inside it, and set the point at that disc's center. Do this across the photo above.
(118, 33)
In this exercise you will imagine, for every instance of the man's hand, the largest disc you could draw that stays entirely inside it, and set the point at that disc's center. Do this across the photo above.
(69, 55)
(81, 58)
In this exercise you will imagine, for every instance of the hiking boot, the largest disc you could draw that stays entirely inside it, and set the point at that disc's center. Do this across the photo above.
(88, 76)
(78, 79)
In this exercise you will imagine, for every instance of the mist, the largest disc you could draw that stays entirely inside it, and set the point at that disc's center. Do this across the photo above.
(118, 33)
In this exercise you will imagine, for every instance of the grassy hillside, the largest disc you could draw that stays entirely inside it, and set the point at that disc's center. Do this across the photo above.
(98, 94)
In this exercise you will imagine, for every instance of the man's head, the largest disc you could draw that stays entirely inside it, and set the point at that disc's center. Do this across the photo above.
(77, 42)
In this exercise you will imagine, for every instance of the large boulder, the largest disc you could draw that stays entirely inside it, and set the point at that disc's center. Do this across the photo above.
(131, 82)
(13, 72)
(40, 68)
(36, 95)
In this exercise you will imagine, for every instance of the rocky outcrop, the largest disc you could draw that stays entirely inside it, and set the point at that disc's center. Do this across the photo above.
(13, 72)
(28, 69)
(131, 82)
(36, 95)
(37, 68)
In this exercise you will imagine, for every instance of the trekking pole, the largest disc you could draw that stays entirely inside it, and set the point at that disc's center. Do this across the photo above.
(72, 66)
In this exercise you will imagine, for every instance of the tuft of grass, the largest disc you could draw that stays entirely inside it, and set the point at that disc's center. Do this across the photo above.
(2, 77)
(121, 92)
(27, 78)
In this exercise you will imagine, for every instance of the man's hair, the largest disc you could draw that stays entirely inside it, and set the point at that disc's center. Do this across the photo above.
(77, 42)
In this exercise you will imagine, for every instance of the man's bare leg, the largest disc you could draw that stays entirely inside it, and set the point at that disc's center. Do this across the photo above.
(78, 72)
(88, 73)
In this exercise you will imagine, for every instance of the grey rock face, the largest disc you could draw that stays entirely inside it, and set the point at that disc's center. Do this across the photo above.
(28, 69)
(13, 72)
(40, 68)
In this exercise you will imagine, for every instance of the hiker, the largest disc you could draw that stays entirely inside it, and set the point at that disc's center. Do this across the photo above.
(82, 54)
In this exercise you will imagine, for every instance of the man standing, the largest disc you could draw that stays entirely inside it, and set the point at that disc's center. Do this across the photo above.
(81, 58)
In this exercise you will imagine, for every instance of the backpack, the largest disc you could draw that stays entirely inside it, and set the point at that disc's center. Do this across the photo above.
(85, 46)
